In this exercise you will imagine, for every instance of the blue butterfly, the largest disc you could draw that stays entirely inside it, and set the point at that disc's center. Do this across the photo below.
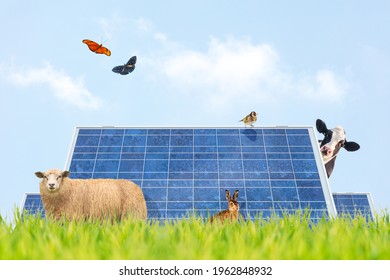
(126, 68)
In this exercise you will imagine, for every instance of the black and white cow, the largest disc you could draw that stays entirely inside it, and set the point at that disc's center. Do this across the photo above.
(333, 141)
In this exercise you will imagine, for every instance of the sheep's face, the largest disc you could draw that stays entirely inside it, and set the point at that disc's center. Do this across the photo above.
(52, 179)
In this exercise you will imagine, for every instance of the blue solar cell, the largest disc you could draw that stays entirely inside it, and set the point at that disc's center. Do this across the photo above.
(297, 131)
(83, 150)
(206, 182)
(83, 131)
(180, 194)
(201, 205)
(82, 166)
(106, 166)
(306, 175)
(275, 149)
(107, 175)
(136, 177)
(280, 131)
(254, 165)
(132, 165)
(134, 140)
(283, 183)
(304, 165)
(281, 175)
(154, 183)
(311, 194)
(180, 183)
(84, 156)
(261, 205)
(222, 131)
(280, 166)
(109, 149)
(284, 194)
(361, 202)
(181, 166)
(286, 205)
(134, 131)
(298, 140)
(111, 140)
(112, 131)
(158, 131)
(275, 140)
(308, 183)
(87, 140)
(158, 140)
(279, 156)
(206, 194)
(313, 205)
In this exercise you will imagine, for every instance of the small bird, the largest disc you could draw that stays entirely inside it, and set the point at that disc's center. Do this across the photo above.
(250, 119)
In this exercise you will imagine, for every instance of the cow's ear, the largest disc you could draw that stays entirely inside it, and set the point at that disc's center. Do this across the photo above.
(351, 146)
(321, 126)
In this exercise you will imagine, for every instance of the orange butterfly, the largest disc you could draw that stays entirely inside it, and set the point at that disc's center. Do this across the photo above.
(96, 48)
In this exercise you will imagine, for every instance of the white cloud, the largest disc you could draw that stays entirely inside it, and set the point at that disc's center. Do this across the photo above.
(111, 24)
(63, 87)
(324, 86)
(161, 37)
(106, 27)
(147, 27)
(235, 70)
(227, 69)
(144, 24)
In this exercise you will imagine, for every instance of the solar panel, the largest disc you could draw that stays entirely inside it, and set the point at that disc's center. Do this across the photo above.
(354, 204)
(186, 170)
(32, 205)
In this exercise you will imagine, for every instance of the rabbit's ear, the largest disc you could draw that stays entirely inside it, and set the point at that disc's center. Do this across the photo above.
(235, 195)
(227, 195)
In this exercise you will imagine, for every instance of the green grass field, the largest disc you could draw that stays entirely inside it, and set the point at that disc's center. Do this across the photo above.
(291, 237)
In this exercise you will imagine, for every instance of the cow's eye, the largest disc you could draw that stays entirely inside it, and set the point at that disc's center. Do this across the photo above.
(45, 177)
(59, 177)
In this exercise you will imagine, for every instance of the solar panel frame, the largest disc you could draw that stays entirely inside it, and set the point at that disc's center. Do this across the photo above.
(353, 196)
(231, 140)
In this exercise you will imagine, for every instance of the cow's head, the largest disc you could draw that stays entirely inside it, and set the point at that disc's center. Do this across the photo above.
(333, 141)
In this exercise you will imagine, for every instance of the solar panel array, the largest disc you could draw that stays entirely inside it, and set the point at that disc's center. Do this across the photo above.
(353, 204)
(186, 170)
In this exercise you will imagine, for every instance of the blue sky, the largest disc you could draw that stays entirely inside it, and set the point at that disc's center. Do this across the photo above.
(200, 63)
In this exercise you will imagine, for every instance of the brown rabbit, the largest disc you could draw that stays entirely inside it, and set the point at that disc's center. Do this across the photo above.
(232, 211)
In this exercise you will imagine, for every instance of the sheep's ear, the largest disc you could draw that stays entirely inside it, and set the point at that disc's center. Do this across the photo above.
(39, 174)
(235, 195)
(65, 174)
(227, 195)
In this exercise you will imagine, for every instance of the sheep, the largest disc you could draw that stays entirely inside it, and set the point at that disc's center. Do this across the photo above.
(84, 199)
(232, 212)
